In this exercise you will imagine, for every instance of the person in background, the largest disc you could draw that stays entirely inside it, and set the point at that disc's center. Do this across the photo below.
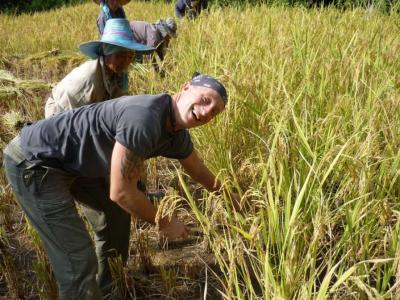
(97, 80)
(100, 78)
(105, 140)
(109, 9)
(190, 8)
(157, 35)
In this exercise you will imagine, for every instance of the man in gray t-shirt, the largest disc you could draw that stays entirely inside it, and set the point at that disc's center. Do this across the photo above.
(105, 140)
(88, 134)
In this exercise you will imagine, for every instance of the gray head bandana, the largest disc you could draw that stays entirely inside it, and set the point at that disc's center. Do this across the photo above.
(199, 79)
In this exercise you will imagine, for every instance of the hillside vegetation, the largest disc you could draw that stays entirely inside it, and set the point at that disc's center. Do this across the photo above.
(310, 139)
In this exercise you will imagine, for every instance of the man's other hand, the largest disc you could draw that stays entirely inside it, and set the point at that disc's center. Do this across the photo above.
(173, 229)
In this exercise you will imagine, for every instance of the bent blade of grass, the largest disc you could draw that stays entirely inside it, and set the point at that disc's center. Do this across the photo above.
(343, 278)
(199, 215)
(368, 290)
(395, 166)
(242, 232)
(270, 283)
(376, 261)
(299, 199)
(335, 160)
(302, 136)
(323, 291)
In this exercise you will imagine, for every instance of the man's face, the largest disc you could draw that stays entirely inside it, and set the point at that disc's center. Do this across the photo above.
(113, 5)
(197, 105)
(120, 61)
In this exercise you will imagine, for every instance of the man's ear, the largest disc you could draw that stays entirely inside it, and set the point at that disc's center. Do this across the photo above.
(186, 86)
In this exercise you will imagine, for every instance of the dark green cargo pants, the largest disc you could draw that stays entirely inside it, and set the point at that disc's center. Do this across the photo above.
(47, 197)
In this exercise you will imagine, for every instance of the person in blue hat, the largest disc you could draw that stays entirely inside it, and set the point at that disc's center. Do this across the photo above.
(104, 76)
(109, 9)
(109, 140)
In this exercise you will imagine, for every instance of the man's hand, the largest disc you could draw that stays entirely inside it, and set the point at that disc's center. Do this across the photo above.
(173, 229)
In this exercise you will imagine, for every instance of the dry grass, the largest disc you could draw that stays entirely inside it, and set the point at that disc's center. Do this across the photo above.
(310, 139)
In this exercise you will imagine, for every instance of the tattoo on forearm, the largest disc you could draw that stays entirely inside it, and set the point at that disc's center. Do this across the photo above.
(130, 164)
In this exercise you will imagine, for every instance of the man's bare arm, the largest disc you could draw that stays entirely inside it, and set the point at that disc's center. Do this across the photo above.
(196, 168)
(130, 165)
(125, 170)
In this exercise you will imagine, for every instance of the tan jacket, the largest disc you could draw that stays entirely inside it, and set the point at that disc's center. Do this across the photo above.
(84, 85)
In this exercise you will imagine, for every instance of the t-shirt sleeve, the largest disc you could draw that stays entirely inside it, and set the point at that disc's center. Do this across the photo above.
(140, 136)
(181, 146)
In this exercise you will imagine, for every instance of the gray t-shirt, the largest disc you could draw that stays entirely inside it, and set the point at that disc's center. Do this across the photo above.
(80, 141)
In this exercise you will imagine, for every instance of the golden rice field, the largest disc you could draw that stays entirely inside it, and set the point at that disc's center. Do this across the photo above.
(310, 140)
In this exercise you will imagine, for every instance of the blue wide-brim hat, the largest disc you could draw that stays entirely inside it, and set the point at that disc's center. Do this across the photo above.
(116, 32)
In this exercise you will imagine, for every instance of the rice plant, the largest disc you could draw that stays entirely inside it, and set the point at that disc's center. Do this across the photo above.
(310, 140)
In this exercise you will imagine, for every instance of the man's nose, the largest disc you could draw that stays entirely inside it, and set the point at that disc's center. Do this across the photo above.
(207, 112)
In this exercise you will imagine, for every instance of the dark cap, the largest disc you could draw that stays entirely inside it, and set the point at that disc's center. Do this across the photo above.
(199, 79)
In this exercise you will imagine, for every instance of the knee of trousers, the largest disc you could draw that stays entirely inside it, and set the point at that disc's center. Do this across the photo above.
(81, 265)
(81, 282)
(114, 240)
(91, 264)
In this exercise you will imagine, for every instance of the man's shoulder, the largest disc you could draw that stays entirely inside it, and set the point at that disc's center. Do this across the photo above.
(140, 120)
(144, 105)
(145, 99)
